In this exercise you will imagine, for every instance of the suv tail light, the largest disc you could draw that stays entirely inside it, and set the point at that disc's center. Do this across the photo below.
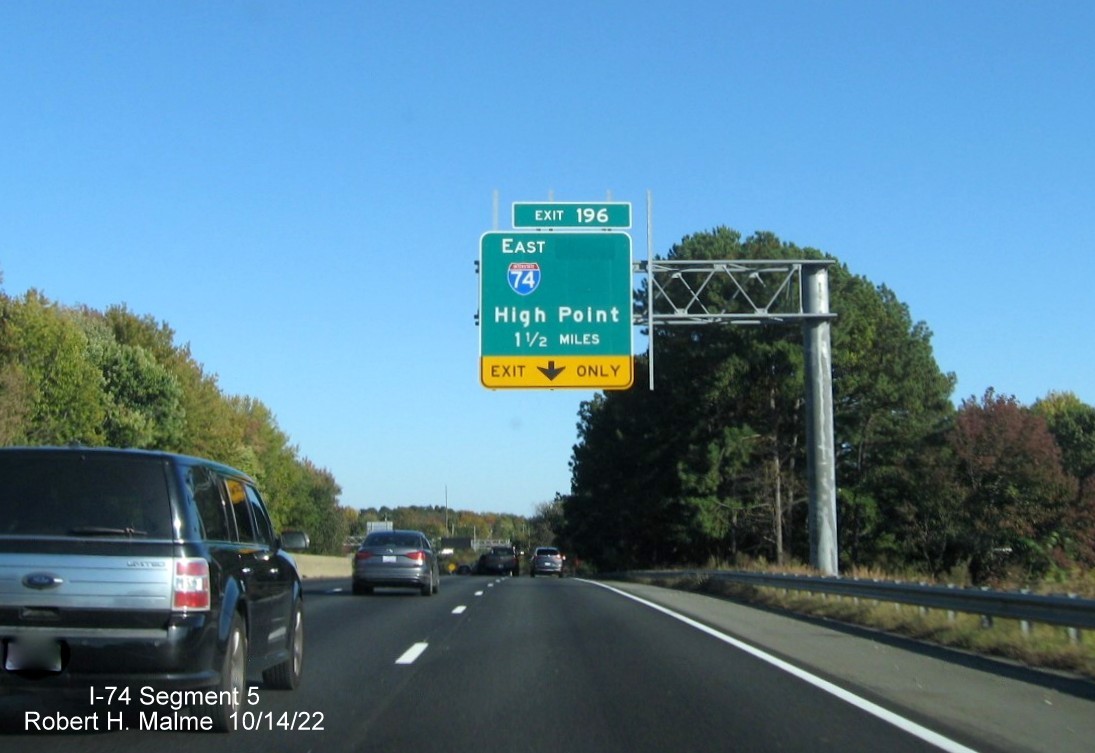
(419, 556)
(190, 590)
(363, 555)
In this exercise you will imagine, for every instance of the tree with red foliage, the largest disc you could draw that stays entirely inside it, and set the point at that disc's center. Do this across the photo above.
(1015, 494)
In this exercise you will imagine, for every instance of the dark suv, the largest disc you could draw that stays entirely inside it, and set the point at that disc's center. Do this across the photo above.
(500, 560)
(144, 570)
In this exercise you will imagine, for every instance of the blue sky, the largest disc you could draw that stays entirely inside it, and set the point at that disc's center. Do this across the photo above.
(298, 188)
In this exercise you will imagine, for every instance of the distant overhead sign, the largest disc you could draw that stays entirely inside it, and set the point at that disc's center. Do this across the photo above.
(572, 214)
(555, 310)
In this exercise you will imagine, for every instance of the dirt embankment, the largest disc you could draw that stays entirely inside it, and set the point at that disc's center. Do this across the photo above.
(320, 566)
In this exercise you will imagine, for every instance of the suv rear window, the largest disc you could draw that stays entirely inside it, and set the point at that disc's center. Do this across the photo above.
(544, 552)
(71, 494)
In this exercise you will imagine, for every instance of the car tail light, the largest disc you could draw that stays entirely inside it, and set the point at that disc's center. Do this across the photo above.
(419, 556)
(191, 590)
(363, 555)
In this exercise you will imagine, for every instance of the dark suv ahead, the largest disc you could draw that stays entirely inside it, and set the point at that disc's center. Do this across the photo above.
(145, 570)
(499, 560)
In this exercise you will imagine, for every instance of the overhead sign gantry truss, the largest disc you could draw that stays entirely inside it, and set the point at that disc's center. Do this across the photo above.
(764, 291)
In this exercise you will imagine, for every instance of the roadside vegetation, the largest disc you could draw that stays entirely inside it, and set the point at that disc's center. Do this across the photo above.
(113, 378)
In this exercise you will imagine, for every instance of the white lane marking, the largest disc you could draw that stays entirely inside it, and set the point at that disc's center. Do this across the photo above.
(925, 734)
(459, 610)
(335, 591)
(490, 585)
(412, 653)
(478, 593)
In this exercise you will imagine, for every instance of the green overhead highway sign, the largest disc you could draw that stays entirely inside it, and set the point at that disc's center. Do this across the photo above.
(572, 214)
(555, 310)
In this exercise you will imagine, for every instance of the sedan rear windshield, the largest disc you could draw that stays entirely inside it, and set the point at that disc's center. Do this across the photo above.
(393, 540)
(85, 495)
(547, 552)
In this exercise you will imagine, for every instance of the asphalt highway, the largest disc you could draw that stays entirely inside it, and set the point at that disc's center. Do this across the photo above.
(573, 666)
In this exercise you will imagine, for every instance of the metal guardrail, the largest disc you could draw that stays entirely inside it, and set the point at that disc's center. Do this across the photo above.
(1065, 610)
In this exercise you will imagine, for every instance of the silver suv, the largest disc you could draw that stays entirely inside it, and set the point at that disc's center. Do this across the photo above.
(546, 560)
(143, 570)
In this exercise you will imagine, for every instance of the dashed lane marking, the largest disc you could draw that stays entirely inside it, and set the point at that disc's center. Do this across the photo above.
(412, 653)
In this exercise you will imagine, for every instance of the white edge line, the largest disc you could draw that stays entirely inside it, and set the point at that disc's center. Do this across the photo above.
(925, 734)
(412, 653)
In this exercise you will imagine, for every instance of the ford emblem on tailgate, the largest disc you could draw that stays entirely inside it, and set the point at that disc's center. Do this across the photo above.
(42, 581)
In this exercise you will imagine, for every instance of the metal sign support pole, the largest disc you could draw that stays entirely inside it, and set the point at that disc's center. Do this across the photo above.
(820, 447)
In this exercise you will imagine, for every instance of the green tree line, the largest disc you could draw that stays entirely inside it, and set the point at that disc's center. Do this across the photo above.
(709, 467)
(438, 522)
(113, 378)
